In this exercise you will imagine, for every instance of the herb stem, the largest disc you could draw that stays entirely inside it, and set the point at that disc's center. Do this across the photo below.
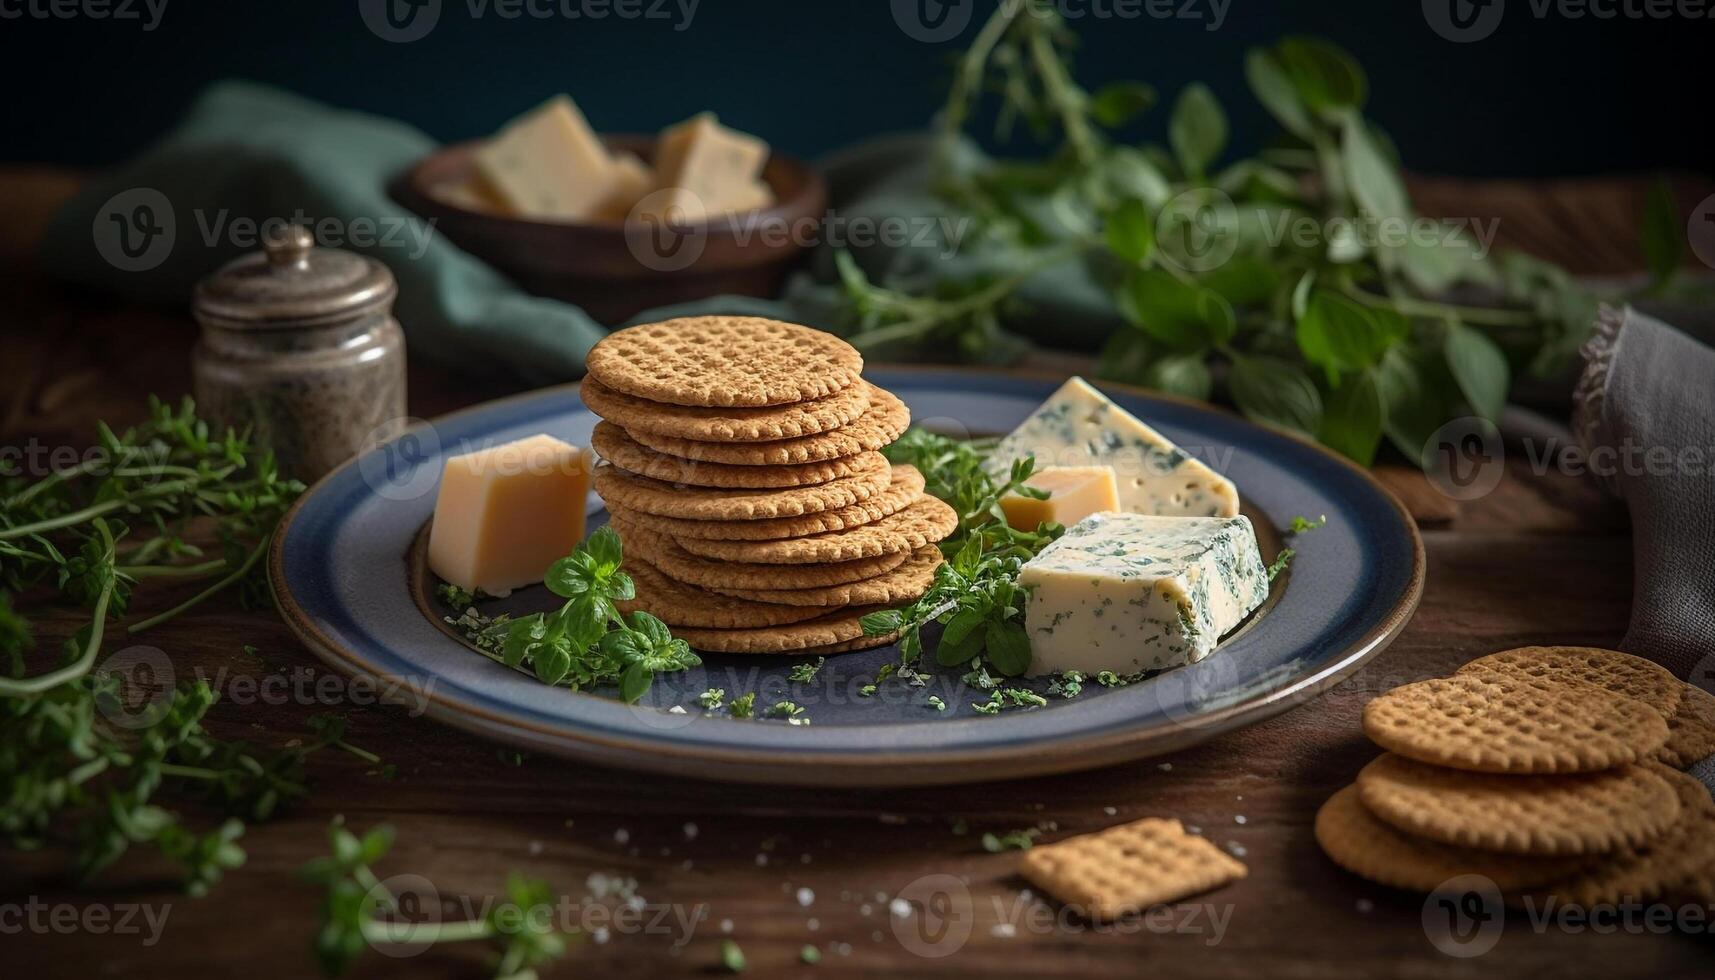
(937, 313)
(91, 647)
(1431, 308)
(236, 574)
(199, 570)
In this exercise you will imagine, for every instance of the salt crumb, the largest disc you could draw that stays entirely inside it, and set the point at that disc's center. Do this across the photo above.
(677, 709)
(535, 848)
(813, 925)
(803, 859)
(1193, 829)
(599, 935)
(1237, 848)
(1165, 767)
(806, 897)
(1110, 810)
(865, 909)
(621, 835)
(726, 925)
(690, 831)
(844, 949)
(875, 936)
(762, 860)
(899, 907)
(686, 864)
(881, 896)
(1366, 906)
(1239, 818)
(1005, 930)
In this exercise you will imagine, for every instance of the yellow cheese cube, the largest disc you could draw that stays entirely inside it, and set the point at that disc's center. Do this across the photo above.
(549, 164)
(472, 193)
(1075, 492)
(717, 164)
(632, 180)
(506, 513)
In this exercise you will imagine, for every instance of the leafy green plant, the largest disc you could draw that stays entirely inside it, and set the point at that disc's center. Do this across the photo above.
(69, 774)
(586, 641)
(1298, 285)
(358, 909)
(975, 594)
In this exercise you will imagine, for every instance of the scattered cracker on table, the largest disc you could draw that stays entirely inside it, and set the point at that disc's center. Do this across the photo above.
(924, 522)
(657, 498)
(906, 487)
(613, 445)
(1502, 723)
(1129, 868)
(678, 604)
(907, 583)
(1643, 872)
(724, 360)
(1581, 813)
(1356, 840)
(886, 418)
(1691, 730)
(718, 424)
(666, 555)
(1609, 670)
(835, 628)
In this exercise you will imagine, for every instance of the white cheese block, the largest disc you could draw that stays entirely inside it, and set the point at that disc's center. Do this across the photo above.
(1125, 592)
(1079, 426)
(549, 164)
(720, 166)
(505, 514)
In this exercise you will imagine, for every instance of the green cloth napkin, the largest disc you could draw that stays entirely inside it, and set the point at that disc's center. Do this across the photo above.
(247, 151)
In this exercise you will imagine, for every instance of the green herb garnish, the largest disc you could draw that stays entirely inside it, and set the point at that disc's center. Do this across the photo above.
(711, 699)
(732, 958)
(804, 673)
(1012, 840)
(743, 706)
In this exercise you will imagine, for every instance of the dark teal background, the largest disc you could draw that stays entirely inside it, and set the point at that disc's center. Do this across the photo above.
(1539, 98)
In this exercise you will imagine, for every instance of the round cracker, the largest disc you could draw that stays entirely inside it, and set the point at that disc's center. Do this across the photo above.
(835, 629)
(886, 419)
(924, 522)
(1609, 670)
(1642, 872)
(724, 360)
(611, 442)
(678, 604)
(639, 493)
(1691, 730)
(1581, 813)
(661, 551)
(1354, 839)
(861, 643)
(906, 487)
(1512, 723)
(906, 583)
(716, 424)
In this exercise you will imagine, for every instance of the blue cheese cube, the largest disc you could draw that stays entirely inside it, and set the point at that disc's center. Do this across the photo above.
(1125, 592)
(1079, 426)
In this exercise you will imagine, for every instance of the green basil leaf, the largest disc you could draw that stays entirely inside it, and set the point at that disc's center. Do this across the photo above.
(635, 682)
(885, 621)
(1352, 419)
(1326, 78)
(1662, 234)
(1179, 314)
(521, 635)
(552, 662)
(654, 632)
(1244, 280)
(604, 547)
(1413, 387)
(1185, 375)
(1130, 231)
(1126, 356)
(1118, 103)
(1480, 368)
(1198, 129)
(568, 577)
(1272, 390)
(1008, 647)
(952, 653)
(963, 623)
(1341, 334)
(1268, 81)
(1373, 179)
(1130, 173)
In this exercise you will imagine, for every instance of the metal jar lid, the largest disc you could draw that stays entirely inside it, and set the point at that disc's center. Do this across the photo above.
(292, 283)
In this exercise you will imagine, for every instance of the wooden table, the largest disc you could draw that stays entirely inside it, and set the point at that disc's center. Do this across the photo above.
(1544, 559)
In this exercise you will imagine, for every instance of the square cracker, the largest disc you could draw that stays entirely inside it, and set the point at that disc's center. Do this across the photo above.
(1129, 868)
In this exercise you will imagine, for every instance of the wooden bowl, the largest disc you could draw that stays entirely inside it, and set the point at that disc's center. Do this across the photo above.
(614, 271)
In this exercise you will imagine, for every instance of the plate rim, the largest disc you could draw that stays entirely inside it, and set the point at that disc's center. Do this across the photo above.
(878, 769)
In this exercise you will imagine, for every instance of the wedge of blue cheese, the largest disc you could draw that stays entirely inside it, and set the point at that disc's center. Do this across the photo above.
(1079, 426)
(1127, 592)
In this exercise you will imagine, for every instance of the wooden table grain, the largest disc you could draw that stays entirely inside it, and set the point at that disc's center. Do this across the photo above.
(1543, 559)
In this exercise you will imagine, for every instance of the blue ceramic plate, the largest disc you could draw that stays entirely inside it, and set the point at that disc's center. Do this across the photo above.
(346, 571)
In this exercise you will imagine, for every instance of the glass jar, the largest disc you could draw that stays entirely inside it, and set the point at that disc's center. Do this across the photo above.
(299, 346)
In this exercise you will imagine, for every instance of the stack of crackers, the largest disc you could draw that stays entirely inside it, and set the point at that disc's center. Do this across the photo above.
(743, 474)
(1551, 771)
